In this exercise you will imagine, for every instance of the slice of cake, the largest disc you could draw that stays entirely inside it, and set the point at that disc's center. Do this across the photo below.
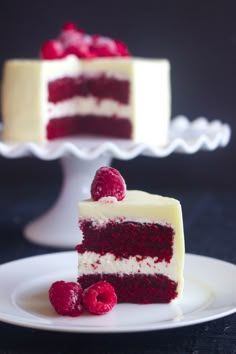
(133, 240)
(85, 85)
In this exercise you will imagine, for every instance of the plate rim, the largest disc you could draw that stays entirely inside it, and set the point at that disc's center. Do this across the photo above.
(163, 325)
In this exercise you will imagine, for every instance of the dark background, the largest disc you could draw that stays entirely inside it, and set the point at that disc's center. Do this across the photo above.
(199, 39)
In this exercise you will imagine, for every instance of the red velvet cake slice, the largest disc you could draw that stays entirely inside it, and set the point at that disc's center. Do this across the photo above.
(136, 244)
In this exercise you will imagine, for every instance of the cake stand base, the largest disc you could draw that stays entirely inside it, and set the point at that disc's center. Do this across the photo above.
(58, 227)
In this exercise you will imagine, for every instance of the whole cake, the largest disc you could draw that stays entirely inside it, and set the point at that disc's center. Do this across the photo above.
(85, 84)
(132, 239)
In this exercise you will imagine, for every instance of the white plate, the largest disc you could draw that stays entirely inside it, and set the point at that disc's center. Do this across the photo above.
(209, 293)
(184, 136)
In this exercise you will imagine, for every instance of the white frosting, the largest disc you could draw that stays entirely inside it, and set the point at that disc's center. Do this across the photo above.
(88, 105)
(24, 94)
(137, 205)
(91, 262)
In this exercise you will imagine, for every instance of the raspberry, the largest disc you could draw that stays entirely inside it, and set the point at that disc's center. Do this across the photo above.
(81, 51)
(121, 48)
(66, 298)
(69, 26)
(99, 298)
(73, 49)
(108, 182)
(52, 49)
(73, 40)
(103, 46)
(70, 38)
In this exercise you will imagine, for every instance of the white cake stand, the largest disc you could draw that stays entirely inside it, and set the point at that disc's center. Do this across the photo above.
(81, 157)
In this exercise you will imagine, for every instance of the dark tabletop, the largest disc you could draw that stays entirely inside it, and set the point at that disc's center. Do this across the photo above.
(199, 39)
(29, 187)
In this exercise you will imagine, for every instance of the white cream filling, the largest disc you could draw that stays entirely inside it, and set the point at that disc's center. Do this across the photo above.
(91, 262)
(88, 105)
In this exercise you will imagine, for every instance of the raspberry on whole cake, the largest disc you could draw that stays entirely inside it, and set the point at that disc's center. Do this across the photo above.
(85, 85)
(136, 243)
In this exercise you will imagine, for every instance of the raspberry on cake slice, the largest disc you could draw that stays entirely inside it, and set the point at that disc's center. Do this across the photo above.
(136, 243)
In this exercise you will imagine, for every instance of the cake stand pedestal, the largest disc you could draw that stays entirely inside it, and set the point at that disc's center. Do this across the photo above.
(81, 157)
(59, 226)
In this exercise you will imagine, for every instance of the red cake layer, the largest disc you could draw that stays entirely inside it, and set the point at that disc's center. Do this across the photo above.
(125, 239)
(89, 124)
(137, 288)
(100, 87)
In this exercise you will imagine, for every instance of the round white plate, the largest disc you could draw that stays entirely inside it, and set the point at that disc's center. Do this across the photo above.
(184, 136)
(209, 293)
